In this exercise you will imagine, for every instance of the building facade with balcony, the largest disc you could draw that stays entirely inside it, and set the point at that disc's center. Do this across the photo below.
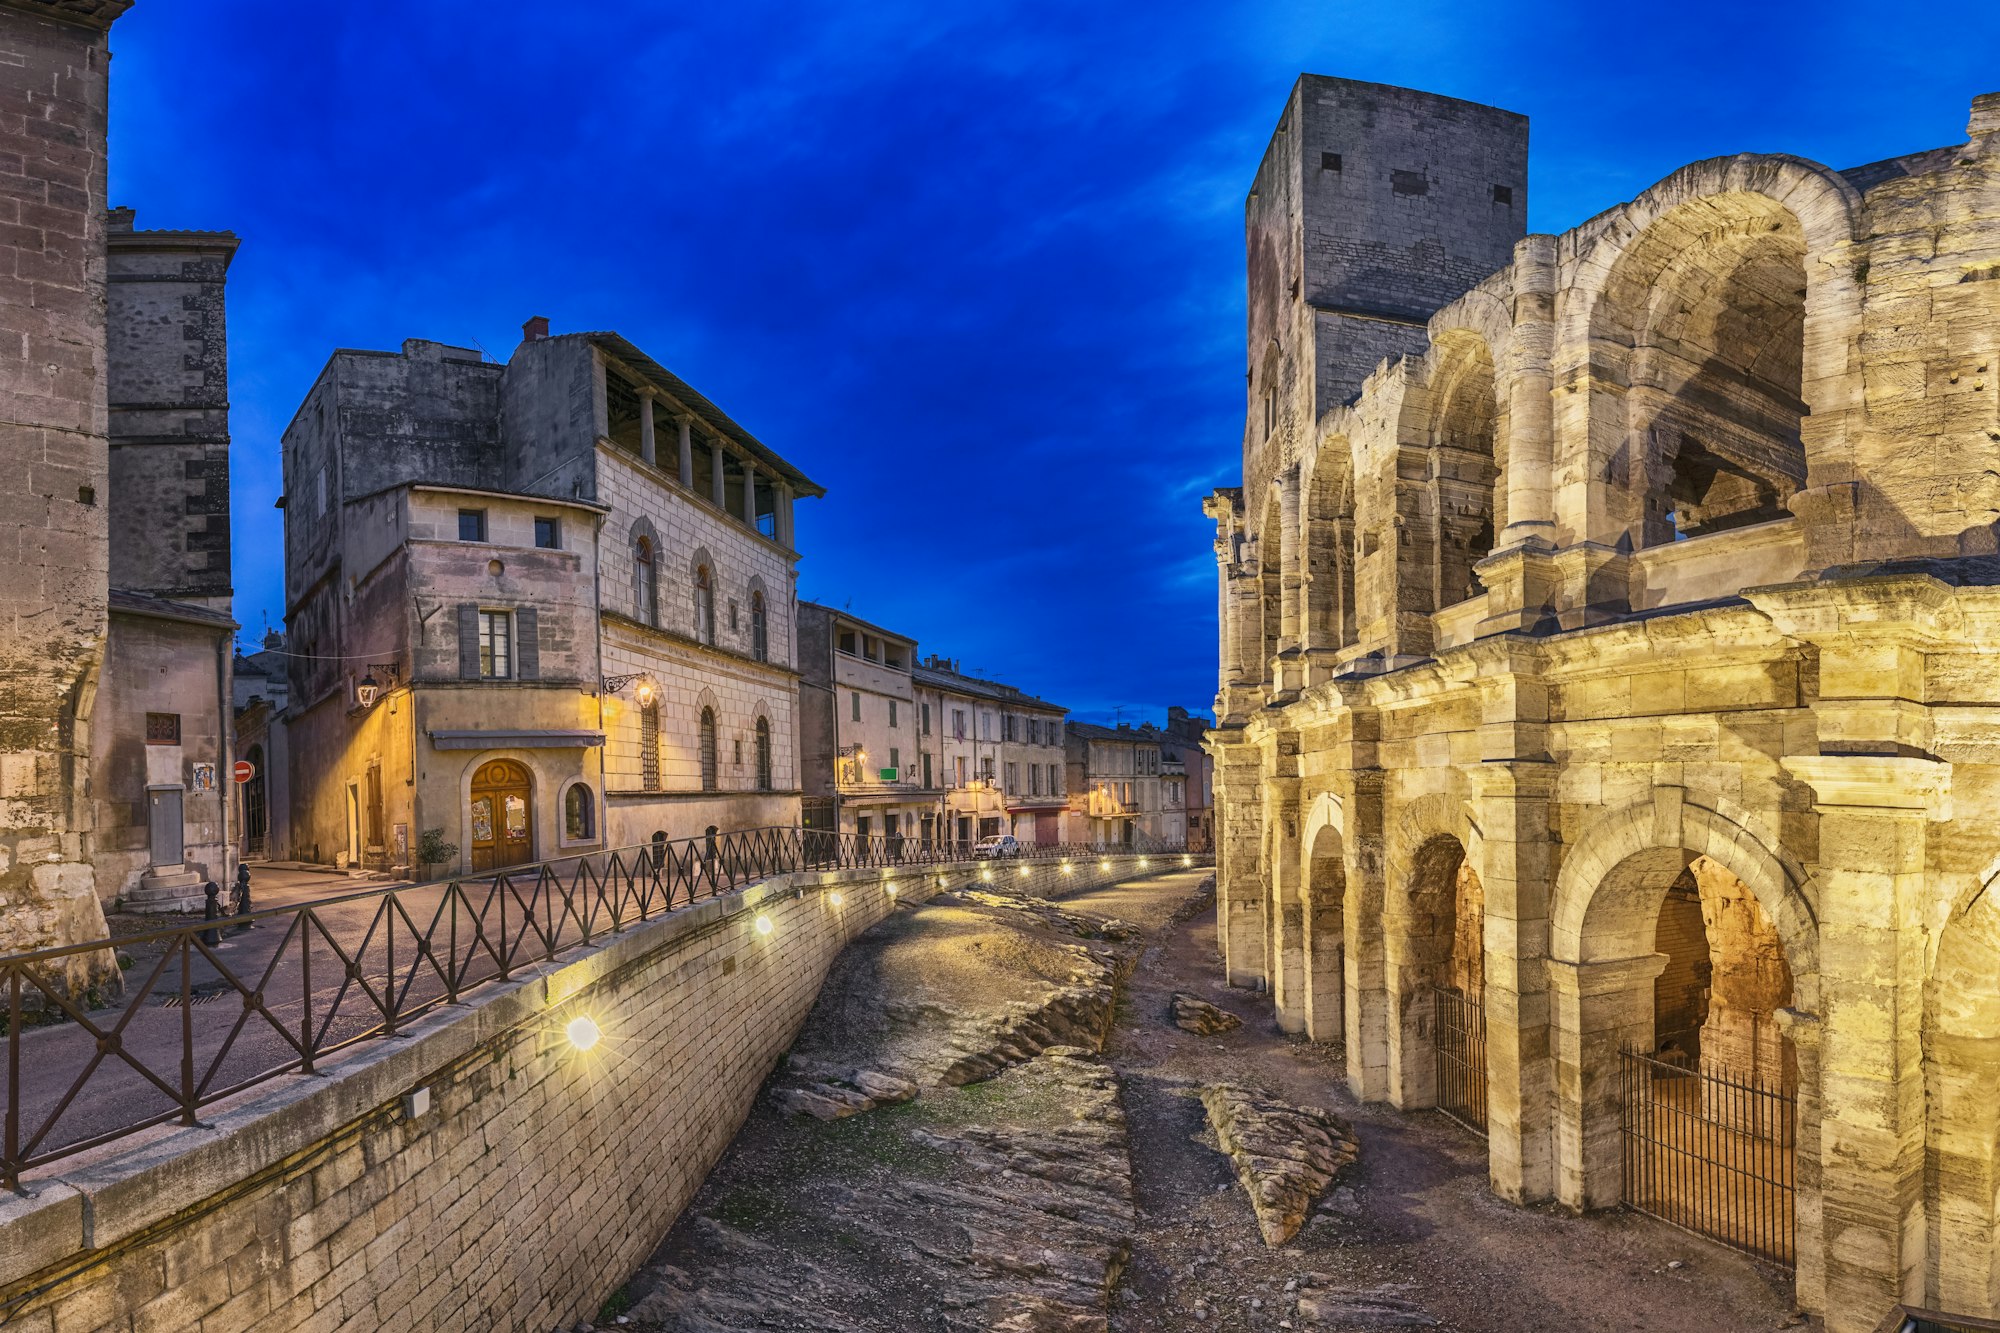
(998, 753)
(535, 608)
(1116, 783)
(862, 763)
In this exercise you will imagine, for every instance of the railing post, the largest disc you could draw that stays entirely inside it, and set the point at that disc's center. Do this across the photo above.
(11, 1160)
(305, 992)
(187, 1022)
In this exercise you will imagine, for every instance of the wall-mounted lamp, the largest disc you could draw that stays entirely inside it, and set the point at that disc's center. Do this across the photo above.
(368, 689)
(644, 694)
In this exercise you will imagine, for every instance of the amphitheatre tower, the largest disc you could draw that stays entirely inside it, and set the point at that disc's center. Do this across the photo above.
(1608, 732)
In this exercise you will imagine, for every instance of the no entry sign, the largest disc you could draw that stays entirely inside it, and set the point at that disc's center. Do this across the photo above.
(244, 770)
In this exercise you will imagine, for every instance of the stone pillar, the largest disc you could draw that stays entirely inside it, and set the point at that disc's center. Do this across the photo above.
(687, 451)
(1366, 973)
(1291, 571)
(1874, 812)
(784, 503)
(1287, 915)
(1808, 1230)
(718, 480)
(750, 493)
(1516, 869)
(1601, 1008)
(1239, 822)
(1530, 400)
(647, 450)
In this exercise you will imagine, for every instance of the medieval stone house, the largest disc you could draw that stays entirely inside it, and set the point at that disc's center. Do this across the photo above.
(538, 608)
(1607, 709)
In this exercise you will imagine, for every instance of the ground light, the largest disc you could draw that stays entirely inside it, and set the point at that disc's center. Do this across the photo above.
(1187, 860)
(583, 1033)
(764, 926)
(835, 898)
(891, 886)
(1068, 869)
(1143, 863)
(1104, 865)
(1024, 872)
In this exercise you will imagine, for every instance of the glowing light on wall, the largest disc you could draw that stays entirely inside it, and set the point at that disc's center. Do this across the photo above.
(764, 926)
(583, 1033)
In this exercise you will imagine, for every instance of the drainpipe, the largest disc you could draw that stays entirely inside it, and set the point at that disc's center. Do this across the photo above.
(225, 734)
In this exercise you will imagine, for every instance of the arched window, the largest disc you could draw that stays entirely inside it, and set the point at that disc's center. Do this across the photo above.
(708, 763)
(645, 581)
(649, 746)
(704, 604)
(763, 754)
(760, 633)
(579, 813)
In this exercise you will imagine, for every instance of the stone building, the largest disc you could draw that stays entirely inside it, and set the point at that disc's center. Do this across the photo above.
(159, 781)
(1607, 635)
(862, 757)
(1115, 785)
(999, 752)
(262, 682)
(1182, 755)
(537, 607)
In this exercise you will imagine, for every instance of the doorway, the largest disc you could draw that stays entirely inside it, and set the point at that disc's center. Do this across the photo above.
(502, 815)
(164, 826)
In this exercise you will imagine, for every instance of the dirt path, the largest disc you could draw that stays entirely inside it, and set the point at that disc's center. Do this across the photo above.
(1418, 1226)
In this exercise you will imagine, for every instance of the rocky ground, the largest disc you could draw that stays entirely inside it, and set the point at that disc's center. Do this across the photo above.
(946, 1150)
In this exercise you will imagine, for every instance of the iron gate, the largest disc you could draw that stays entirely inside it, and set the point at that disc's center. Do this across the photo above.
(1460, 1021)
(1710, 1151)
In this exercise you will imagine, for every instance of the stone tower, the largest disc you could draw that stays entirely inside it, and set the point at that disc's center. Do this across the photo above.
(54, 591)
(1373, 208)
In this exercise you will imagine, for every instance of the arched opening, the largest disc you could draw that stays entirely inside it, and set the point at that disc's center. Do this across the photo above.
(760, 632)
(1438, 964)
(1329, 547)
(1702, 323)
(763, 754)
(1962, 1111)
(579, 813)
(256, 807)
(645, 581)
(708, 755)
(1270, 584)
(1686, 1084)
(501, 815)
(1326, 938)
(1465, 509)
(649, 746)
(704, 603)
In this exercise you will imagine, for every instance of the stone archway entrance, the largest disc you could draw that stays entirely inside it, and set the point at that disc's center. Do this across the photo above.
(1438, 973)
(502, 815)
(1325, 932)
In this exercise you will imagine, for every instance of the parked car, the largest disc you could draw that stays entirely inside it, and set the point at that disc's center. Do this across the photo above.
(997, 846)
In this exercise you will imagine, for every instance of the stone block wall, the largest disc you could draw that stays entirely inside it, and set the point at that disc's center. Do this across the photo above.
(517, 1196)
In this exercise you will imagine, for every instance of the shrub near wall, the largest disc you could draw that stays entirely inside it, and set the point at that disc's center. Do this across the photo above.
(534, 1179)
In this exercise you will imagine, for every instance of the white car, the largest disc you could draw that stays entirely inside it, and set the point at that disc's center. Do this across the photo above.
(999, 845)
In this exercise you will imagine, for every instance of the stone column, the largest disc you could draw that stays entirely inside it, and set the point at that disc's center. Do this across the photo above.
(1239, 822)
(1601, 1008)
(1365, 972)
(647, 451)
(1287, 914)
(784, 503)
(687, 451)
(750, 493)
(1530, 401)
(1874, 812)
(718, 480)
(1516, 869)
(1291, 572)
(1808, 1228)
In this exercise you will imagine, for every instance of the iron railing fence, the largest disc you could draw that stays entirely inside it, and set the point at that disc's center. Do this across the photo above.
(1710, 1150)
(209, 1008)
(1908, 1319)
(1460, 1024)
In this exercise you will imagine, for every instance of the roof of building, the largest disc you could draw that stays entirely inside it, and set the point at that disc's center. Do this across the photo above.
(985, 689)
(100, 14)
(718, 420)
(161, 608)
(1131, 735)
(859, 623)
(120, 234)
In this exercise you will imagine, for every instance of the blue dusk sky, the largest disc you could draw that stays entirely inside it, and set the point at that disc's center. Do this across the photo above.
(976, 268)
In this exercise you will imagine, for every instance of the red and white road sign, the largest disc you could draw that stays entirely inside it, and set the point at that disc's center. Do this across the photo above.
(244, 770)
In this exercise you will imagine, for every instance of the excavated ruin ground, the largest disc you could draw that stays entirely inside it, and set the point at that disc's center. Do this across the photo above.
(1028, 1176)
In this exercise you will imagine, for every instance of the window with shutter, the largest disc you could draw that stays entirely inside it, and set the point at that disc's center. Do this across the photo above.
(528, 645)
(468, 641)
(708, 756)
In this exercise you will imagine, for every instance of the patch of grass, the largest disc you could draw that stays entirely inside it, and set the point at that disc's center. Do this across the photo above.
(754, 1209)
(617, 1303)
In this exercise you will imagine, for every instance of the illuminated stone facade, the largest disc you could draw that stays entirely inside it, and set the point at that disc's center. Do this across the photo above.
(1609, 642)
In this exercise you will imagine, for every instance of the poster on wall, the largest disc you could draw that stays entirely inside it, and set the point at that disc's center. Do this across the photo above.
(203, 778)
(482, 819)
(402, 833)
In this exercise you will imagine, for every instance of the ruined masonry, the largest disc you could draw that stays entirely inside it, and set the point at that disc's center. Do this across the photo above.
(1607, 700)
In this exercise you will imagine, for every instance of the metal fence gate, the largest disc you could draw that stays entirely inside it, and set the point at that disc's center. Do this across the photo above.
(1710, 1151)
(1461, 1057)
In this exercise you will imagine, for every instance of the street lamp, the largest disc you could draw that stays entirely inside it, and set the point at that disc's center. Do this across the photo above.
(367, 690)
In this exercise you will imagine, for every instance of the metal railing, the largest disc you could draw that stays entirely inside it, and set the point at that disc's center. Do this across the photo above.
(211, 1007)
(1461, 1057)
(1710, 1151)
(1909, 1319)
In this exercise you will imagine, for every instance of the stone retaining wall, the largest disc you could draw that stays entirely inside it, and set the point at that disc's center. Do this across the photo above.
(480, 1173)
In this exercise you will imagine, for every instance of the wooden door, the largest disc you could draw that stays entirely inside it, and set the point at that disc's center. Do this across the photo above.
(503, 815)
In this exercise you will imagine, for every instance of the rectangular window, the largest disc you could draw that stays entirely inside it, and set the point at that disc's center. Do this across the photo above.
(958, 723)
(496, 644)
(847, 642)
(1013, 777)
(986, 768)
(1329, 161)
(1055, 780)
(163, 728)
(472, 525)
(1503, 194)
(548, 533)
(927, 768)
(986, 726)
(892, 712)
(958, 770)
(854, 704)
(1034, 779)
(896, 759)
(925, 719)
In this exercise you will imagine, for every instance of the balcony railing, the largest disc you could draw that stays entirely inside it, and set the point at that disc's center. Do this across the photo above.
(211, 1008)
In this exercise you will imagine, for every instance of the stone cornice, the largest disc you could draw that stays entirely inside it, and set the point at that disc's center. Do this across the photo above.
(97, 15)
(1885, 782)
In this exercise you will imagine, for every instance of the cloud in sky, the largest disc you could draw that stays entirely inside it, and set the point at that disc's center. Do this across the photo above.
(976, 268)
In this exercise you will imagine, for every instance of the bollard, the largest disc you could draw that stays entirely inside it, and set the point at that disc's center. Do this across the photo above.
(211, 911)
(243, 897)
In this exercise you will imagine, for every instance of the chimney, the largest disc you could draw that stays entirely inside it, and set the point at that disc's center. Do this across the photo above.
(535, 329)
(119, 219)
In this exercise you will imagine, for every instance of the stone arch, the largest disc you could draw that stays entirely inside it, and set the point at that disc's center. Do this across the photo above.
(1603, 966)
(1327, 524)
(704, 583)
(1961, 1063)
(1464, 433)
(1431, 888)
(643, 548)
(1323, 842)
(1270, 580)
(759, 604)
(1702, 352)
